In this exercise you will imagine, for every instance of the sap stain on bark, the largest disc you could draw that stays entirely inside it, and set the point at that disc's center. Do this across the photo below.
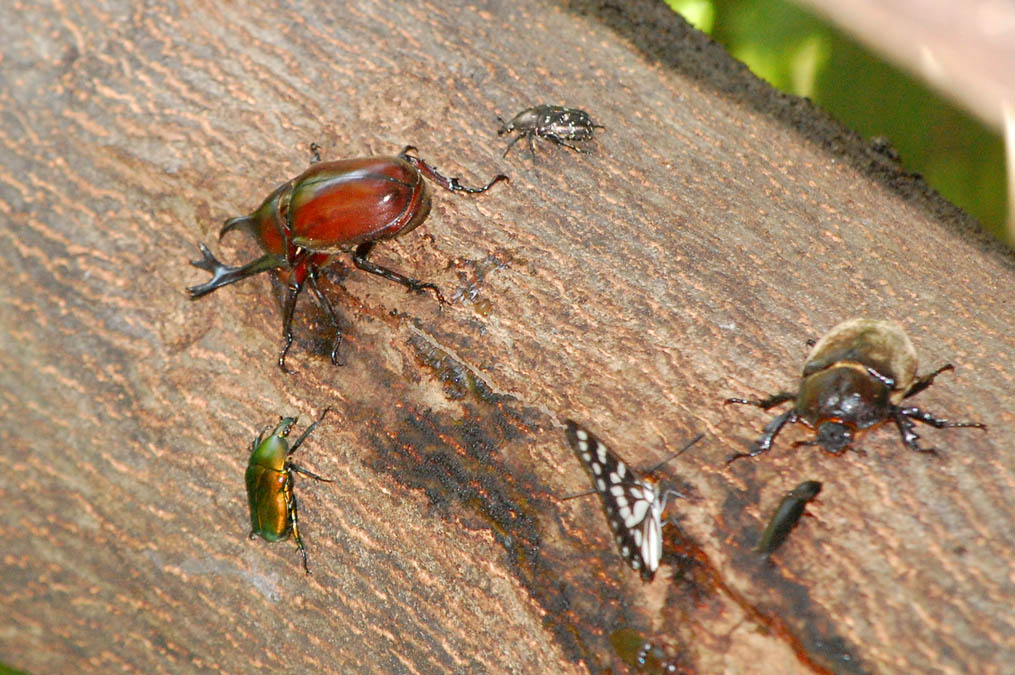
(457, 463)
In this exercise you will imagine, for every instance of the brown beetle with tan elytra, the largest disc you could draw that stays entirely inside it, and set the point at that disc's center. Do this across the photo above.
(854, 379)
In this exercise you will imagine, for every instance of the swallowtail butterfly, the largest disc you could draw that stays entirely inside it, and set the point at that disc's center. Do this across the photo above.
(633, 505)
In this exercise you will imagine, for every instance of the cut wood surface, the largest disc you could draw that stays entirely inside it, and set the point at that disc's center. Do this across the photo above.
(716, 227)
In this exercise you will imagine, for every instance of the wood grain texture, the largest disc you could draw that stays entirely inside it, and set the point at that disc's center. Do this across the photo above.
(716, 228)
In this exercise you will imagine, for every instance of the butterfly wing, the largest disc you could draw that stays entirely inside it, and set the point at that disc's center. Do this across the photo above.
(632, 505)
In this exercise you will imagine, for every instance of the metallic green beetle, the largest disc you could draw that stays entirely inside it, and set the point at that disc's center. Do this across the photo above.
(273, 510)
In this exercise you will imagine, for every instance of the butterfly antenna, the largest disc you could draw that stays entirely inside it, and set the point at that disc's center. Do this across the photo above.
(676, 454)
(580, 494)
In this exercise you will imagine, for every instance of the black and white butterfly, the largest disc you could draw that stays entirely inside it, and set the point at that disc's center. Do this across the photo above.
(634, 505)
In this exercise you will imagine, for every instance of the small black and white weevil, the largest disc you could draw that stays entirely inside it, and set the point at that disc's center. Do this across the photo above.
(554, 123)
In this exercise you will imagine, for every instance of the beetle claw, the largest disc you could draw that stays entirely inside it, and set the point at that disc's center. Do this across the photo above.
(423, 287)
(335, 361)
(455, 186)
(288, 337)
(735, 456)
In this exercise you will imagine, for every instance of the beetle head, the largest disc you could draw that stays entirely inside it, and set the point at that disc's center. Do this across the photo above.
(271, 452)
(525, 121)
(833, 437)
(285, 424)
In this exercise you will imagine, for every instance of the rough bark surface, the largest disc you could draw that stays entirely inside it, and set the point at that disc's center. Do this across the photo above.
(716, 228)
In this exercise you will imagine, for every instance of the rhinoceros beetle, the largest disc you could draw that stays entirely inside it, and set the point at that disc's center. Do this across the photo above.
(854, 379)
(333, 207)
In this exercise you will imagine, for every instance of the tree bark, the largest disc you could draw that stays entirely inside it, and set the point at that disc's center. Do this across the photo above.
(716, 227)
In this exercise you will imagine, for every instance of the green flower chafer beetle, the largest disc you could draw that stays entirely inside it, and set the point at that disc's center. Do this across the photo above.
(273, 509)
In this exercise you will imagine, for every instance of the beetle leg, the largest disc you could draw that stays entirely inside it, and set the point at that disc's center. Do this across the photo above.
(315, 153)
(924, 381)
(309, 430)
(451, 184)
(765, 403)
(325, 304)
(764, 443)
(513, 141)
(223, 275)
(288, 308)
(928, 418)
(359, 258)
(260, 436)
(532, 146)
(666, 497)
(299, 469)
(293, 510)
(909, 437)
(885, 380)
(560, 141)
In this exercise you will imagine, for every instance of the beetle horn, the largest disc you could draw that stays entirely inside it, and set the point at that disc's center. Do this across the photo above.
(223, 275)
(245, 222)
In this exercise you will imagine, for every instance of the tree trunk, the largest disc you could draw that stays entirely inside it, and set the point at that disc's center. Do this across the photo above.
(716, 227)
